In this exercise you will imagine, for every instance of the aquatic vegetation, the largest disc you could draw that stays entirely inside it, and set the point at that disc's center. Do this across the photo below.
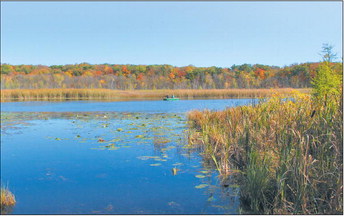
(108, 141)
(200, 176)
(201, 186)
(210, 199)
(105, 125)
(204, 171)
(289, 152)
(7, 200)
(115, 140)
(160, 159)
(109, 94)
(175, 171)
(161, 140)
(110, 145)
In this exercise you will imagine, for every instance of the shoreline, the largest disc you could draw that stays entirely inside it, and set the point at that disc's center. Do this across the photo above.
(12, 95)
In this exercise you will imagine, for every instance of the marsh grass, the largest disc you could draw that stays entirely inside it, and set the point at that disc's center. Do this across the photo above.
(7, 201)
(289, 151)
(108, 94)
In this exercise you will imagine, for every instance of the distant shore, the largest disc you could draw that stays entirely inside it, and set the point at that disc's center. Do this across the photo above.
(8, 95)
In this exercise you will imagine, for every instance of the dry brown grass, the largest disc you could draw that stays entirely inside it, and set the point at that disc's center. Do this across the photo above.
(291, 152)
(7, 200)
(108, 94)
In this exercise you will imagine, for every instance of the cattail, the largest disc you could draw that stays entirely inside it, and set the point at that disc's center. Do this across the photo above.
(312, 113)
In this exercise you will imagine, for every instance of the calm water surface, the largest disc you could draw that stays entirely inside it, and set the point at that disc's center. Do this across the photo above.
(89, 157)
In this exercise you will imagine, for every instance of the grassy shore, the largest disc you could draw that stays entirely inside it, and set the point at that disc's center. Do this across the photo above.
(7, 201)
(107, 94)
(290, 153)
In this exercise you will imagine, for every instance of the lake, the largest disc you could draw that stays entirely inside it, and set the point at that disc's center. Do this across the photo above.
(96, 157)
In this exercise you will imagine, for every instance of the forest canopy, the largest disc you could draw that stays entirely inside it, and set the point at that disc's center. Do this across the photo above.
(116, 76)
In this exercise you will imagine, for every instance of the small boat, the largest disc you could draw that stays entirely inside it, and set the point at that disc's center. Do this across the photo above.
(171, 99)
(167, 98)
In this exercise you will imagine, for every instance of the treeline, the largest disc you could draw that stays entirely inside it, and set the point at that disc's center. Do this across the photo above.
(129, 77)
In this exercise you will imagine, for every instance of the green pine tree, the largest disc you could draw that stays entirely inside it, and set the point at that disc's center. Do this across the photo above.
(327, 83)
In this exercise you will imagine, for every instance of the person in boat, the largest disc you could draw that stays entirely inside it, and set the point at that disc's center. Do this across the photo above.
(172, 96)
(167, 96)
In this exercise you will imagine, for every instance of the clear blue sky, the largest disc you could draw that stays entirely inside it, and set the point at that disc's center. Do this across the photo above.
(177, 33)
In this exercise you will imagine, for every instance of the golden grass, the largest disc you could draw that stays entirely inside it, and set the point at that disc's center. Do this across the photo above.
(7, 200)
(290, 152)
(108, 94)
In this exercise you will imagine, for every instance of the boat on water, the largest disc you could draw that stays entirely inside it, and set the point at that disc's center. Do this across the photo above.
(171, 99)
(167, 98)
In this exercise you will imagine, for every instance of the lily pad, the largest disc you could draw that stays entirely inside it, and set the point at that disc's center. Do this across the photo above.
(200, 176)
(201, 186)
(210, 199)
(114, 140)
(204, 171)
(113, 148)
(159, 159)
(110, 145)
(157, 164)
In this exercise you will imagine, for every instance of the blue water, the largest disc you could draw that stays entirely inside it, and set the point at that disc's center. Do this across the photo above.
(109, 158)
(180, 106)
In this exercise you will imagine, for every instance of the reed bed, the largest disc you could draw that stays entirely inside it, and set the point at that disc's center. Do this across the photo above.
(7, 201)
(108, 94)
(290, 152)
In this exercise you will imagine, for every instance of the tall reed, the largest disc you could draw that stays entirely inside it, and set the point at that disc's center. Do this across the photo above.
(108, 94)
(290, 152)
(7, 200)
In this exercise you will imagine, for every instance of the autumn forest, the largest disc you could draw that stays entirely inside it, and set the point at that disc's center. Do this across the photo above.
(130, 77)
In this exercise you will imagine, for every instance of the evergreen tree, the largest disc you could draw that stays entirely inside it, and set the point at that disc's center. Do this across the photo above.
(327, 82)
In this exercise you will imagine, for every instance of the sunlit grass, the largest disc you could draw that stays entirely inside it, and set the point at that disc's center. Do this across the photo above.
(289, 151)
(7, 200)
(108, 94)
